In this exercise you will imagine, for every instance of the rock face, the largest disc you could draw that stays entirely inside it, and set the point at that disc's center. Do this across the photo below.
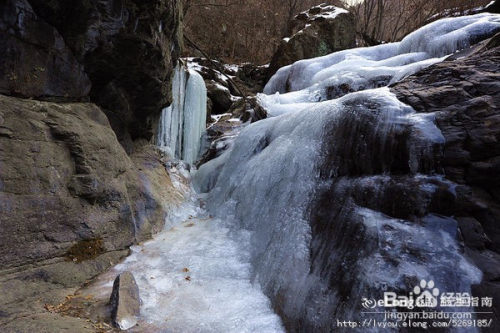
(493, 7)
(64, 178)
(465, 95)
(246, 81)
(61, 167)
(321, 30)
(70, 197)
(126, 47)
(219, 97)
(125, 301)
(35, 61)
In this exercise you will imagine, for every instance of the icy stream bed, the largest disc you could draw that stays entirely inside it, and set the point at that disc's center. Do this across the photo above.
(195, 277)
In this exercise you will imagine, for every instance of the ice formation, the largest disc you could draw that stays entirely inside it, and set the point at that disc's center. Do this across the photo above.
(183, 122)
(314, 80)
(307, 184)
(271, 181)
(196, 278)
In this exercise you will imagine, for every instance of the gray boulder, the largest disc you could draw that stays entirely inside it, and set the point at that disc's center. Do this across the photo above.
(125, 301)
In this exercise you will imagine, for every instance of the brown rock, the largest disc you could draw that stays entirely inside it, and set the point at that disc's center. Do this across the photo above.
(71, 200)
(220, 98)
(64, 178)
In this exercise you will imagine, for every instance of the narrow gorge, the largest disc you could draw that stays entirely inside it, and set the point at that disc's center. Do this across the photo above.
(359, 187)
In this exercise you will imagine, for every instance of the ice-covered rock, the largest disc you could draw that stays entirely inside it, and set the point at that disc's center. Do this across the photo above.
(465, 94)
(317, 189)
(358, 67)
(344, 195)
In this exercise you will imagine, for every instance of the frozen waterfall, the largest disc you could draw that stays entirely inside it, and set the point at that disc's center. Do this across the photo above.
(308, 185)
(315, 213)
(337, 188)
(183, 122)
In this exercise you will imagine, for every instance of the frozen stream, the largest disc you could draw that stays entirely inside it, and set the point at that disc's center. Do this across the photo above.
(195, 277)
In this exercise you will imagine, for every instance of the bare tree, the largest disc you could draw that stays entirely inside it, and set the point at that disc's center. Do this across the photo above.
(241, 30)
(251, 30)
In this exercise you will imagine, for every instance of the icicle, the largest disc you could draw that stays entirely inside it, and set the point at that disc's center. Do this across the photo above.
(183, 122)
(194, 116)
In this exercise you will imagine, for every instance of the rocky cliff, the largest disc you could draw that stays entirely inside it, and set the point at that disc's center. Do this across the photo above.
(121, 51)
(465, 95)
(79, 84)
